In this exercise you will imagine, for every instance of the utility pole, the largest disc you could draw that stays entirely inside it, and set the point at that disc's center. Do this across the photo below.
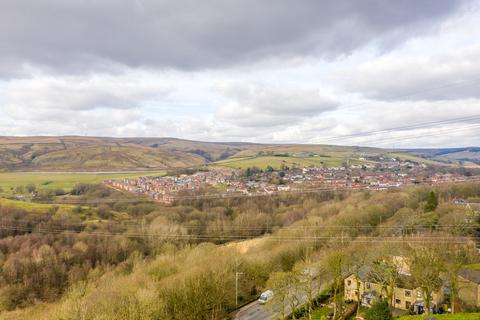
(236, 287)
(236, 280)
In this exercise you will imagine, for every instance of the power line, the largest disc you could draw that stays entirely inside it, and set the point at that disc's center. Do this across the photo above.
(428, 134)
(403, 128)
(419, 92)
(343, 237)
(327, 227)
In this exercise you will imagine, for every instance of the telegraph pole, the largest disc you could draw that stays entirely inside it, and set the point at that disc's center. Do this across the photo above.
(236, 281)
(236, 287)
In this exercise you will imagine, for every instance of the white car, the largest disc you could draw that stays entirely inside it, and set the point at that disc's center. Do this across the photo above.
(264, 297)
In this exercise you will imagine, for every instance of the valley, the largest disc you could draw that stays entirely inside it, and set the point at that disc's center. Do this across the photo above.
(153, 257)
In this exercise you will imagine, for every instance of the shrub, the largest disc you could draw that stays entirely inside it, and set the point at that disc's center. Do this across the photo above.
(380, 310)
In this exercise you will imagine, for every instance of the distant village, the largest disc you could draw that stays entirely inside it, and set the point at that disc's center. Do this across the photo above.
(389, 173)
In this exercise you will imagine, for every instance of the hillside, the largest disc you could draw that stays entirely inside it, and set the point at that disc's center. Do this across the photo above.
(107, 154)
(156, 261)
(136, 154)
(468, 156)
(302, 155)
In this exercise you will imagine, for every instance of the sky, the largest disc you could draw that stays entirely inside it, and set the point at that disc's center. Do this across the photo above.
(273, 71)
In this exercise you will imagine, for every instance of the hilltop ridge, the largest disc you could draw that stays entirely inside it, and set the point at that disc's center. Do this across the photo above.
(75, 153)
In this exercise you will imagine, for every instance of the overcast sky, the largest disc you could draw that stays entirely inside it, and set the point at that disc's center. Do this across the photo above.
(295, 71)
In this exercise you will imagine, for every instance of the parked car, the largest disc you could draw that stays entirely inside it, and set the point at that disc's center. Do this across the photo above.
(264, 297)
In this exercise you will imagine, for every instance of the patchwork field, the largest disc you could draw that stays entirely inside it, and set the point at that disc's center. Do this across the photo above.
(277, 161)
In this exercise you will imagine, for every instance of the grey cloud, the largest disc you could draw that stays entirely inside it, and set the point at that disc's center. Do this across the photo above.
(83, 36)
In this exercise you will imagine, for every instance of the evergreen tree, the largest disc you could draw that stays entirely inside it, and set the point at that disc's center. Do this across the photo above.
(432, 202)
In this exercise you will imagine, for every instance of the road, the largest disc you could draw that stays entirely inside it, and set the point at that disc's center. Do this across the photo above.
(256, 311)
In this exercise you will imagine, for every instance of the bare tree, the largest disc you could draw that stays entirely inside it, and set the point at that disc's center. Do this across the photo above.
(336, 266)
(293, 292)
(426, 268)
(278, 282)
(454, 257)
(386, 264)
(360, 258)
(308, 275)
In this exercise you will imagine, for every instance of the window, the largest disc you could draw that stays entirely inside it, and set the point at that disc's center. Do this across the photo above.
(408, 293)
(419, 294)
(349, 282)
(368, 285)
(398, 301)
(408, 304)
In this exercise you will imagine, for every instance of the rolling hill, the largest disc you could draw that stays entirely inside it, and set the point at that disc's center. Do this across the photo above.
(467, 156)
(73, 153)
(108, 154)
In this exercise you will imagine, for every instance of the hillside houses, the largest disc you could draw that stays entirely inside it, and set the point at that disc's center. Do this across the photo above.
(406, 295)
(166, 189)
(374, 176)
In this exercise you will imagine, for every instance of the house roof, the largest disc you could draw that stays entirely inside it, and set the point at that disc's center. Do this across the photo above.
(404, 281)
(471, 275)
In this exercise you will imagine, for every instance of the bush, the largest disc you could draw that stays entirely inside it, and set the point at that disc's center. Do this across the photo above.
(380, 310)
(104, 212)
(81, 189)
(30, 188)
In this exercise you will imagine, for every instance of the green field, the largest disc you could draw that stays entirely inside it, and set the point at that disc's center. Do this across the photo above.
(276, 162)
(330, 155)
(460, 316)
(9, 181)
(31, 205)
(411, 157)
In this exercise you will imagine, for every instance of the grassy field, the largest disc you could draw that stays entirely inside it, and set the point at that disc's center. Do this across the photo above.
(334, 153)
(30, 205)
(276, 162)
(411, 157)
(460, 316)
(9, 181)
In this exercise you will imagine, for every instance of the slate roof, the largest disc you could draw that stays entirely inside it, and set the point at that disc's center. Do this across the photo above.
(471, 275)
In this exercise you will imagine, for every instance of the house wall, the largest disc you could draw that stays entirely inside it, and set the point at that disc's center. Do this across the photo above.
(402, 298)
(351, 287)
(468, 292)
